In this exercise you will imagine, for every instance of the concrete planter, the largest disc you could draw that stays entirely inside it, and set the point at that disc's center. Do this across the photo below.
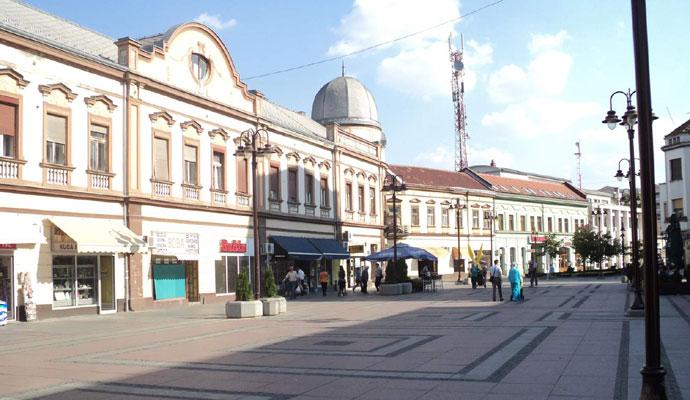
(406, 287)
(390, 289)
(271, 306)
(244, 309)
(282, 304)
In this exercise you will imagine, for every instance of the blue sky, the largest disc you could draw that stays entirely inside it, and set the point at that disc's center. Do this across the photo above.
(539, 72)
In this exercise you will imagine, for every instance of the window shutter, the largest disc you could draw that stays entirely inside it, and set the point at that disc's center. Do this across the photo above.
(190, 153)
(161, 162)
(8, 119)
(57, 129)
(242, 176)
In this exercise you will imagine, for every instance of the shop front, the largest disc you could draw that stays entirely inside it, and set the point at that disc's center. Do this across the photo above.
(175, 265)
(235, 256)
(7, 291)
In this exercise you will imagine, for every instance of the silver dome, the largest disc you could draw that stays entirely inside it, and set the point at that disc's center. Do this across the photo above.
(346, 101)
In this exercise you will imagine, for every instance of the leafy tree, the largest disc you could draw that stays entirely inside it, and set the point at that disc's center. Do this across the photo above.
(269, 284)
(585, 244)
(243, 291)
(396, 273)
(551, 246)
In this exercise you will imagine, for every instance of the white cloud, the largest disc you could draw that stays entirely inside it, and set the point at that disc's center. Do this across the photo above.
(487, 154)
(546, 42)
(508, 84)
(215, 22)
(441, 157)
(419, 64)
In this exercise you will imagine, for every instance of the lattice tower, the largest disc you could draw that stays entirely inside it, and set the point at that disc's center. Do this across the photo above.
(458, 87)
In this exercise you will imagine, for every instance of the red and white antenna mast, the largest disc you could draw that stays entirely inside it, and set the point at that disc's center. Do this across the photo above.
(578, 154)
(458, 85)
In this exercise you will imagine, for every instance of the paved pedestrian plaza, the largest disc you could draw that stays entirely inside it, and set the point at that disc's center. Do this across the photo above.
(571, 339)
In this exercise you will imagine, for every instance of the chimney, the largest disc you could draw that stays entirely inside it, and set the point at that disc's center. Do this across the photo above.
(493, 163)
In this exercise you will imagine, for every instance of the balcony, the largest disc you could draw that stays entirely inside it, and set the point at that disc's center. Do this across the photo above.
(361, 217)
(9, 168)
(325, 212)
(349, 215)
(100, 180)
(191, 192)
(162, 188)
(274, 204)
(310, 210)
(242, 199)
(57, 174)
(219, 196)
(293, 207)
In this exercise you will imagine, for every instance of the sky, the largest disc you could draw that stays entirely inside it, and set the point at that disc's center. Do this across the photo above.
(539, 73)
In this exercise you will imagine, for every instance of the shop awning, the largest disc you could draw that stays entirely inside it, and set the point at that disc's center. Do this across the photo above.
(99, 236)
(439, 252)
(330, 248)
(20, 231)
(296, 248)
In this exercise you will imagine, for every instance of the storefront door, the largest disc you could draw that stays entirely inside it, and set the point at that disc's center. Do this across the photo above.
(7, 284)
(107, 302)
(192, 277)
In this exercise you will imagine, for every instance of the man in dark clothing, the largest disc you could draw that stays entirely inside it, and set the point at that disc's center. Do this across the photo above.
(365, 279)
(532, 269)
(496, 274)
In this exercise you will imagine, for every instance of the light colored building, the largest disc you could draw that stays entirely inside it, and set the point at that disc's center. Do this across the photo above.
(139, 194)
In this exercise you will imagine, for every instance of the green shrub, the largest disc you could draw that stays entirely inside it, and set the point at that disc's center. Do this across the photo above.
(243, 291)
(270, 284)
(396, 273)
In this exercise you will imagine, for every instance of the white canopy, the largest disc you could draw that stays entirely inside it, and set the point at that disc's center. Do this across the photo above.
(100, 236)
(17, 230)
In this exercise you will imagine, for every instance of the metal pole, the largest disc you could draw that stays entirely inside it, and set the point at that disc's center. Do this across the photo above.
(395, 225)
(255, 223)
(652, 372)
(457, 227)
(637, 304)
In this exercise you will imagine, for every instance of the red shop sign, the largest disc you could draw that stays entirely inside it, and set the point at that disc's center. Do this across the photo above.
(536, 239)
(232, 247)
(8, 246)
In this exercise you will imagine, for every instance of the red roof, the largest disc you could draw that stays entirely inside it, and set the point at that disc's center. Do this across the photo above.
(436, 177)
(532, 187)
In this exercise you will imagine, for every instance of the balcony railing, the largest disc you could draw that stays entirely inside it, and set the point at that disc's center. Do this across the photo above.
(293, 208)
(274, 204)
(325, 212)
(162, 189)
(310, 209)
(99, 180)
(191, 192)
(57, 174)
(218, 196)
(242, 199)
(349, 215)
(361, 217)
(9, 169)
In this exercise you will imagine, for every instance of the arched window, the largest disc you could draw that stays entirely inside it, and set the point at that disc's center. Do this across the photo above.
(200, 66)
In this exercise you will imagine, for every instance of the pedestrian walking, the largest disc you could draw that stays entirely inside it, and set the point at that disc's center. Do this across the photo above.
(552, 270)
(300, 281)
(532, 269)
(358, 279)
(364, 279)
(482, 276)
(341, 282)
(379, 276)
(323, 279)
(474, 275)
(515, 279)
(290, 282)
(495, 272)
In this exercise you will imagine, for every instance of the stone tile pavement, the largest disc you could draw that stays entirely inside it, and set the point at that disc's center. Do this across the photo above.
(571, 339)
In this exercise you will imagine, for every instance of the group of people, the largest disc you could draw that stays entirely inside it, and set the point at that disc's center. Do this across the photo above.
(294, 283)
(478, 278)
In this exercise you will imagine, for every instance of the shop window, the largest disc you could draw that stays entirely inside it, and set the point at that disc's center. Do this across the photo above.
(219, 172)
(56, 139)
(372, 201)
(75, 280)
(430, 216)
(200, 66)
(360, 198)
(227, 269)
(161, 164)
(676, 169)
(324, 193)
(190, 165)
(8, 130)
(98, 148)
(292, 185)
(414, 215)
(445, 218)
(308, 189)
(274, 183)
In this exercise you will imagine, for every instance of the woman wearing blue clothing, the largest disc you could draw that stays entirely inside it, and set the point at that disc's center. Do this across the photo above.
(515, 283)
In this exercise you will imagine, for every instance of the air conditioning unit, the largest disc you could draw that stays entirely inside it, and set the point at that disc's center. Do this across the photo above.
(267, 248)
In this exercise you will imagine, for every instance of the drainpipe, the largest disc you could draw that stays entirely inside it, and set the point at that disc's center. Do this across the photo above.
(125, 189)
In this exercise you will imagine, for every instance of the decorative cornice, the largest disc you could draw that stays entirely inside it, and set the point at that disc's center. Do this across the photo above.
(415, 201)
(48, 89)
(19, 78)
(92, 100)
(372, 177)
(277, 150)
(294, 155)
(430, 201)
(162, 114)
(325, 164)
(310, 159)
(346, 171)
(193, 124)
(220, 131)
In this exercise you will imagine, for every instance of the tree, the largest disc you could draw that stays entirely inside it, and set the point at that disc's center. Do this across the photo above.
(243, 291)
(551, 246)
(270, 284)
(585, 244)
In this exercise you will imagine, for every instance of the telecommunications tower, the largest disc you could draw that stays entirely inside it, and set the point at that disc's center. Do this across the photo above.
(458, 85)
(578, 154)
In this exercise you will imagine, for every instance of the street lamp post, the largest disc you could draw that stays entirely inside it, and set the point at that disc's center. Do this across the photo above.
(637, 304)
(394, 183)
(490, 214)
(458, 207)
(255, 142)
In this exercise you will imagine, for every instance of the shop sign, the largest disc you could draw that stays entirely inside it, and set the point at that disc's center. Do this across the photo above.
(62, 242)
(175, 243)
(357, 249)
(8, 246)
(234, 246)
(536, 239)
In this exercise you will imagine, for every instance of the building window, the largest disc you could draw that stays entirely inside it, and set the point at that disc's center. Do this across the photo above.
(676, 169)
(161, 164)
(200, 66)
(540, 227)
(522, 223)
(511, 223)
(227, 270)
(567, 228)
(308, 189)
(8, 130)
(324, 192)
(532, 227)
(430, 216)
(501, 224)
(242, 171)
(56, 140)
(98, 148)
(219, 173)
(475, 219)
(190, 165)
(348, 196)
(372, 201)
(549, 224)
(487, 220)
(445, 219)
(414, 215)
(677, 205)
(274, 183)
(460, 220)
(560, 225)
(292, 185)
(360, 198)
(74, 279)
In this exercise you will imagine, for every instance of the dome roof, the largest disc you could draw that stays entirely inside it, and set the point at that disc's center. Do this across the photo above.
(346, 101)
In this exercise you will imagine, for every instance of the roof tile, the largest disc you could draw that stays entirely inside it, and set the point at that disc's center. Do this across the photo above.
(555, 190)
(436, 177)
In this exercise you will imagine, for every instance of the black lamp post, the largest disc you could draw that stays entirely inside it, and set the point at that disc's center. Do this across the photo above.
(458, 207)
(491, 216)
(637, 304)
(255, 143)
(394, 183)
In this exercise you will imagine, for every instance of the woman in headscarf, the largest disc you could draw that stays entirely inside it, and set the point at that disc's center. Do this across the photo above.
(515, 283)
(474, 275)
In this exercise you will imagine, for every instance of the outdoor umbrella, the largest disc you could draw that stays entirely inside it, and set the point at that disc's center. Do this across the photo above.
(404, 251)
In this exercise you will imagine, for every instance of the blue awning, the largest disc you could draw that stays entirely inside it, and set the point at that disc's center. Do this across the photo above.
(296, 248)
(330, 248)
